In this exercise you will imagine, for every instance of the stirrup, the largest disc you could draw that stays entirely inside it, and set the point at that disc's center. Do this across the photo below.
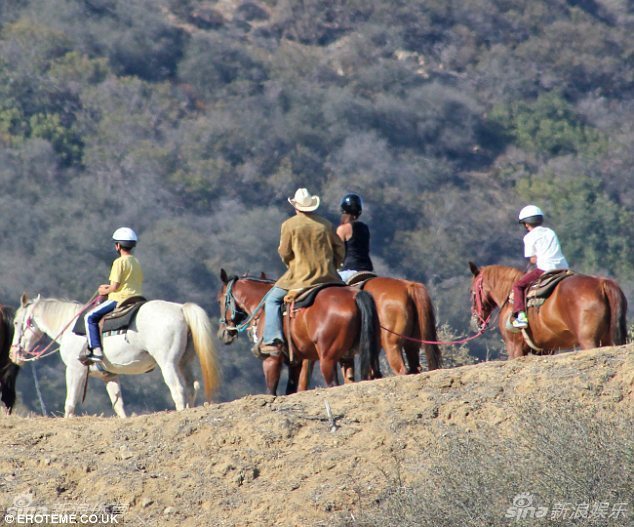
(90, 359)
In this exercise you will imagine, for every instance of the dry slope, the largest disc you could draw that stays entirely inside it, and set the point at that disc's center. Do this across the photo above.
(265, 460)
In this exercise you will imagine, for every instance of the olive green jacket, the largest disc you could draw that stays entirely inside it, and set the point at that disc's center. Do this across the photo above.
(312, 251)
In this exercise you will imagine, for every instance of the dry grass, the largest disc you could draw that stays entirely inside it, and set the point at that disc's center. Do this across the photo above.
(560, 458)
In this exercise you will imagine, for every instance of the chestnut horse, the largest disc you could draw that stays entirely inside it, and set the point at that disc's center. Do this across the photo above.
(406, 316)
(340, 322)
(8, 370)
(583, 311)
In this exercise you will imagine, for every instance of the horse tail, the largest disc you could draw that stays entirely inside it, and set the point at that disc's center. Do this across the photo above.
(368, 336)
(426, 324)
(201, 332)
(618, 311)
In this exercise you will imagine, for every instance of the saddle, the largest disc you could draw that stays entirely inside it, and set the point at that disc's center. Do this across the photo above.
(541, 289)
(359, 279)
(300, 298)
(117, 321)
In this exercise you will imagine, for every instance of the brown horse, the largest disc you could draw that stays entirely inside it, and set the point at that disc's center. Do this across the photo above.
(8, 370)
(583, 311)
(339, 322)
(406, 316)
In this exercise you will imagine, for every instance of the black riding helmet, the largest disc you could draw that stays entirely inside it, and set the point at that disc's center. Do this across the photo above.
(352, 204)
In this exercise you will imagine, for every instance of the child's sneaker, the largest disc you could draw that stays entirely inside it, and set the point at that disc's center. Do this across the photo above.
(521, 321)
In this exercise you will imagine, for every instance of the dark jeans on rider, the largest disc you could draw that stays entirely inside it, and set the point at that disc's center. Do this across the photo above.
(92, 318)
(519, 304)
(273, 315)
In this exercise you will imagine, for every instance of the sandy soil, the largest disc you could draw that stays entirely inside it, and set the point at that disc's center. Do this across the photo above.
(264, 461)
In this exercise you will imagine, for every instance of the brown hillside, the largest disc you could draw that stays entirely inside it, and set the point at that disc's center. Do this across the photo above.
(267, 461)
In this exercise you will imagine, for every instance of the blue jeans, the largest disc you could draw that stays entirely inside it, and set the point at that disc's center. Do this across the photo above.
(273, 315)
(92, 318)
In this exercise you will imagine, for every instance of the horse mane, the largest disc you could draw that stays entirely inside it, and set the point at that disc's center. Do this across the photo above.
(262, 279)
(57, 312)
(502, 273)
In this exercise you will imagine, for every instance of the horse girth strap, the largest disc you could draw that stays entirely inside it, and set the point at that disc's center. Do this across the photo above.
(290, 313)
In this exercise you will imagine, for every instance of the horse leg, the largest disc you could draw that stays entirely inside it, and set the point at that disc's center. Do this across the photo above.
(514, 349)
(191, 384)
(347, 370)
(329, 371)
(305, 375)
(272, 367)
(76, 378)
(294, 372)
(113, 387)
(392, 347)
(174, 380)
(412, 352)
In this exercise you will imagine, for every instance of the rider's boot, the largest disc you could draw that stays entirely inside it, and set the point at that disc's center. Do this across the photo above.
(94, 356)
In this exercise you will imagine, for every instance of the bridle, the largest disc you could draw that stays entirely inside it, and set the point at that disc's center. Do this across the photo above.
(19, 351)
(28, 324)
(236, 313)
(478, 303)
(239, 320)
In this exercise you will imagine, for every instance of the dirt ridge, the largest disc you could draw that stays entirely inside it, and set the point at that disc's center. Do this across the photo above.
(264, 460)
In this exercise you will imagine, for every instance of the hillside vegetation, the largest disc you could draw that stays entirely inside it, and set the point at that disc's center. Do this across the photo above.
(475, 446)
(193, 121)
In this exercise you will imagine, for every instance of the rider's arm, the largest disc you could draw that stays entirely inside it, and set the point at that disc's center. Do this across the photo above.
(106, 289)
(285, 249)
(339, 249)
(344, 231)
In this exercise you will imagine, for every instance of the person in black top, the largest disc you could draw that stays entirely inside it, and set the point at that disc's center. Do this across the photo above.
(356, 236)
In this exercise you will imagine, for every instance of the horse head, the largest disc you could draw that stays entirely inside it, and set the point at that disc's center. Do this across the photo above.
(230, 313)
(482, 304)
(26, 333)
(241, 300)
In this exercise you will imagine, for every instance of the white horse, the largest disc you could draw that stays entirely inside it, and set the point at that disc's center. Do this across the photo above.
(163, 334)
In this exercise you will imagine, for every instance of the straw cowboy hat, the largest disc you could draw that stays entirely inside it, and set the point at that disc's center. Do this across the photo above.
(303, 201)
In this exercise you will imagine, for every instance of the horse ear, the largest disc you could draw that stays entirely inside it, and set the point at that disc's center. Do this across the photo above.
(223, 276)
(262, 275)
(474, 269)
(24, 299)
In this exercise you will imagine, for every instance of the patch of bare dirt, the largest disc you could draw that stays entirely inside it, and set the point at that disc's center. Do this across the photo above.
(264, 461)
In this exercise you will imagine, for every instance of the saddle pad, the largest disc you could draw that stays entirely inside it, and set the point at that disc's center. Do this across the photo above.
(306, 297)
(117, 320)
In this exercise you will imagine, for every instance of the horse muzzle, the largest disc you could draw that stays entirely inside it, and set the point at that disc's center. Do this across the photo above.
(227, 335)
(16, 355)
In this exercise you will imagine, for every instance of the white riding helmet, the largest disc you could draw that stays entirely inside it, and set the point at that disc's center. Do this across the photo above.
(530, 212)
(125, 237)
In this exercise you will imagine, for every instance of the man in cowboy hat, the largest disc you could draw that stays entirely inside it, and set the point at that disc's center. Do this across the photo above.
(312, 251)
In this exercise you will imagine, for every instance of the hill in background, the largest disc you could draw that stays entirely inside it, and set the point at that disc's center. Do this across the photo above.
(192, 121)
